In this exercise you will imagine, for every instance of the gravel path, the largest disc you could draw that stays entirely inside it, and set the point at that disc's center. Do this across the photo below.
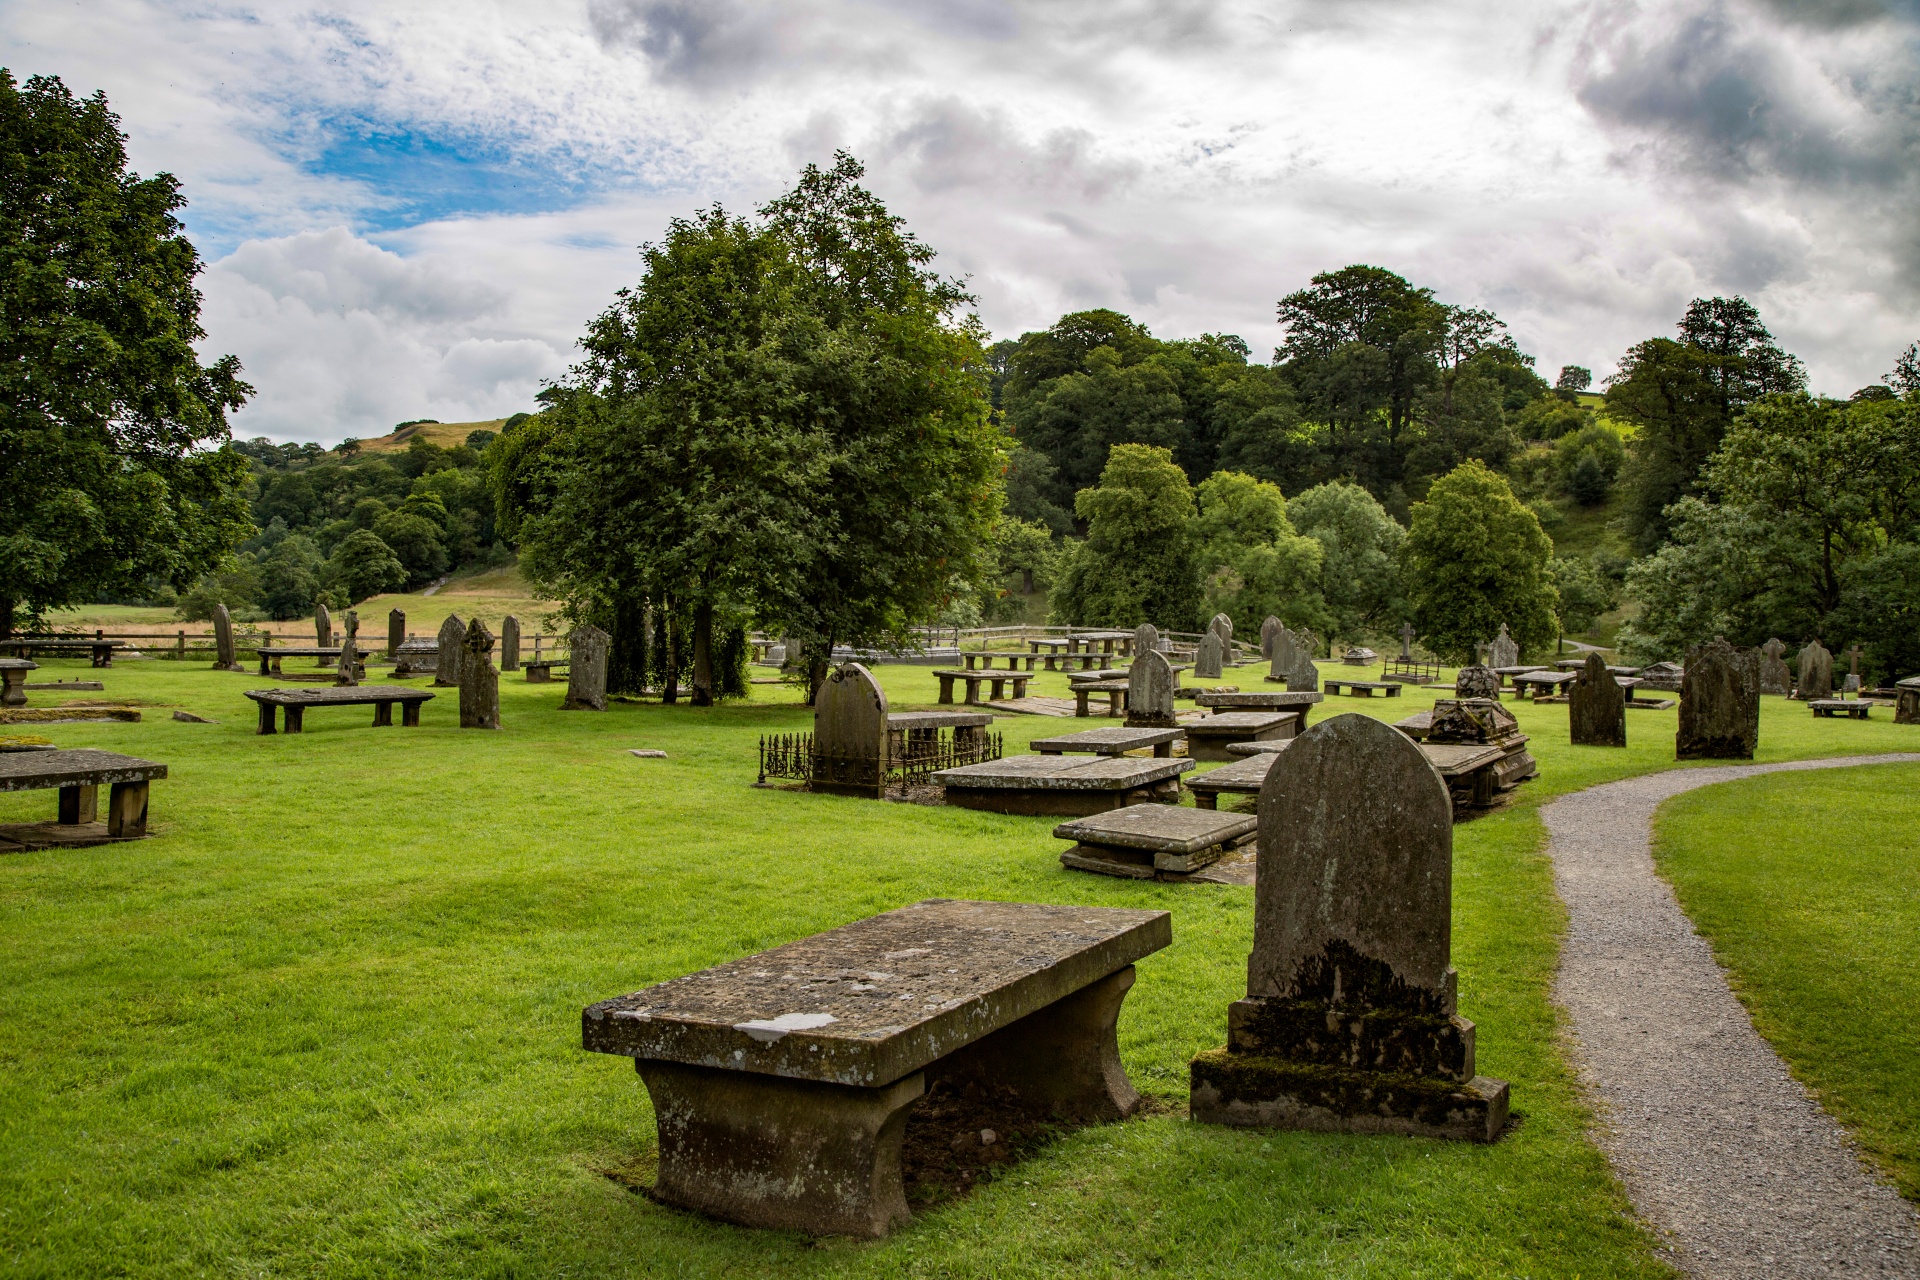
(1718, 1146)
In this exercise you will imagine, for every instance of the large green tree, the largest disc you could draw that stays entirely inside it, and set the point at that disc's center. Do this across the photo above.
(1360, 584)
(1476, 558)
(109, 423)
(1138, 563)
(1252, 561)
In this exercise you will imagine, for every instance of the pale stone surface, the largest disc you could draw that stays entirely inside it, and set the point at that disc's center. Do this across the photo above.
(1114, 741)
(479, 682)
(1158, 827)
(509, 643)
(1150, 685)
(1476, 682)
(850, 733)
(223, 641)
(1209, 658)
(396, 633)
(1235, 700)
(1222, 626)
(1596, 707)
(1775, 676)
(1146, 638)
(322, 627)
(1720, 703)
(587, 670)
(1502, 651)
(1269, 629)
(453, 634)
(1816, 672)
(1303, 676)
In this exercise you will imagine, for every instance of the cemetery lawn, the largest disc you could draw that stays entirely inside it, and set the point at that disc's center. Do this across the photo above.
(1808, 886)
(328, 1021)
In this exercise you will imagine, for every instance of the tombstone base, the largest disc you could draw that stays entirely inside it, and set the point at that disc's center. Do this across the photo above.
(1249, 1090)
(1735, 748)
(1152, 722)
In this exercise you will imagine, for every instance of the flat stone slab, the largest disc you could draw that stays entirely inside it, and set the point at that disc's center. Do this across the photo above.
(1062, 773)
(300, 651)
(1159, 828)
(1120, 685)
(1115, 741)
(1278, 698)
(37, 770)
(1456, 759)
(347, 695)
(1416, 726)
(1230, 723)
(72, 686)
(18, 664)
(875, 1000)
(1839, 707)
(1367, 688)
(938, 719)
(1242, 775)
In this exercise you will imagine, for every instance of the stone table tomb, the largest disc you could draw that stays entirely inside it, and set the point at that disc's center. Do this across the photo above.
(1153, 841)
(1068, 786)
(79, 775)
(1209, 737)
(1117, 741)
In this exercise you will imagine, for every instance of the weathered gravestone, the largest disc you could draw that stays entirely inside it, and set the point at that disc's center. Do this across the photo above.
(1775, 677)
(223, 653)
(1719, 703)
(1268, 630)
(1350, 1023)
(1303, 676)
(453, 634)
(587, 670)
(396, 633)
(1406, 642)
(1477, 681)
(509, 643)
(1207, 658)
(1597, 707)
(1282, 653)
(323, 630)
(850, 734)
(1146, 638)
(1906, 708)
(1816, 673)
(479, 682)
(1150, 692)
(1222, 626)
(348, 673)
(1502, 651)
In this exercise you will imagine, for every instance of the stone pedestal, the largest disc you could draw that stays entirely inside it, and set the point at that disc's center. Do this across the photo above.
(13, 681)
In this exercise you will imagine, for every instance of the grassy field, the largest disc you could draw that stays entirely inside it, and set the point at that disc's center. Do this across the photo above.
(1808, 886)
(327, 1023)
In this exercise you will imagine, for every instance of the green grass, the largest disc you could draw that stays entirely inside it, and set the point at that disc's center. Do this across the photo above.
(328, 1021)
(1808, 886)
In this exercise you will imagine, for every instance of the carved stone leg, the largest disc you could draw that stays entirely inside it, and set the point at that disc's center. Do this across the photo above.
(1206, 800)
(1163, 750)
(1019, 686)
(1080, 703)
(79, 804)
(791, 1155)
(266, 717)
(127, 809)
(999, 690)
(382, 715)
(973, 693)
(1063, 1060)
(409, 715)
(296, 715)
(946, 689)
(265, 668)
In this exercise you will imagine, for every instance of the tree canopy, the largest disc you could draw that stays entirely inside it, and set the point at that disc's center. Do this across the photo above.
(1137, 563)
(109, 423)
(1476, 559)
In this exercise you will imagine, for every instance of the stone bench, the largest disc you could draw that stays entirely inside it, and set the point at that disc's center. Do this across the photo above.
(997, 679)
(1208, 738)
(1830, 707)
(13, 681)
(296, 702)
(79, 775)
(1116, 741)
(1069, 786)
(1364, 688)
(1116, 691)
(782, 1082)
(540, 670)
(985, 659)
(1550, 686)
(1153, 841)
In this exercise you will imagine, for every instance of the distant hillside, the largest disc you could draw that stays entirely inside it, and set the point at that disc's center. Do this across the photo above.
(444, 434)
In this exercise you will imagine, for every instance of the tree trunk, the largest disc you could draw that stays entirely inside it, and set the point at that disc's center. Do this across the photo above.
(6, 617)
(670, 684)
(702, 655)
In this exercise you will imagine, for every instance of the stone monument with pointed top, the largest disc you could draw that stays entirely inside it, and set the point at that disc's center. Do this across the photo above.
(510, 643)
(1719, 703)
(1775, 676)
(453, 634)
(1502, 651)
(349, 671)
(396, 633)
(1596, 706)
(587, 670)
(1283, 654)
(479, 682)
(850, 734)
(1150, 685)
(1815, 680)
(1351, 1022)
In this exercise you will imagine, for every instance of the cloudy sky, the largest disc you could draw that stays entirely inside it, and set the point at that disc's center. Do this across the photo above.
(411, 210)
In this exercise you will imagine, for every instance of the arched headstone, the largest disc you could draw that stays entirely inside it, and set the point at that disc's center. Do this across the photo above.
(1150, 692)
(1282, 653)
(453, 634)
(1476, 681)
(850, 733)
(1350, 983)
(1146, 638)
(1719, 703)
(479, 682)
(322, 626)
(1222, 626)
(1502, 651)
(1816, 673)
(223, 652)
(1207, 658)
(1303, 676)
(587, 670)
(1596, 707)
(510, 643)
(396, 633)
(1268, 630)
(1775, 676)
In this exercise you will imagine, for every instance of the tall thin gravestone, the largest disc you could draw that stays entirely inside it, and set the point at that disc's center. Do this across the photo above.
(1350, 1022)
(323, 630)
(1597, 706)
(1816, 673)
(1719, 703)
(1775, 677)
(1150, 692)
(479, 682)
(1146, 638)
(1502, 651)
(1406, 642)
(587, 670)
(453, 634)
(510, 643)
(1268, 630)
(223, 654)
(1303, 676)
(396, 633)
(349, 670)
(1206, 659)
(850, 734)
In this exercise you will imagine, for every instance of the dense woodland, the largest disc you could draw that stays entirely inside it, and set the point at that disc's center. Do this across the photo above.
(791, 422)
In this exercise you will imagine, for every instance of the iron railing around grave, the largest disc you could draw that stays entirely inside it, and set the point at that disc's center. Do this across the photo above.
(791, 756)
